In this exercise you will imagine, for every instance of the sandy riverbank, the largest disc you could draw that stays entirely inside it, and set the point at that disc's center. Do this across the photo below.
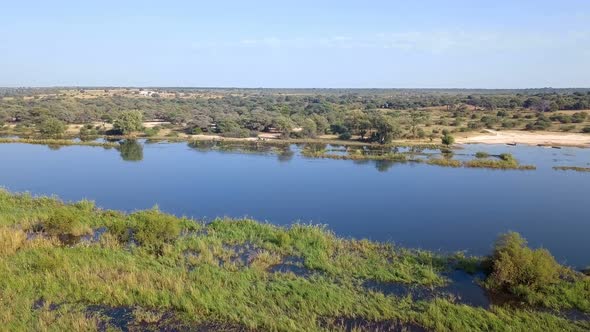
(527, 138)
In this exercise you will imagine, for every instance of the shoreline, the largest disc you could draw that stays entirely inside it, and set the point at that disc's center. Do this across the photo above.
(488, 136)
(73, 262)
(528, 138)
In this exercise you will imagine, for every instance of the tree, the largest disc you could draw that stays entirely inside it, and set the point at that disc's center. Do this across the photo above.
(52, 127)
(448, 140)
(416, 118)
(385, 129)
(283, 125)
(542, 106)
(128, 122)
(358, 123)
(309, 128)
(322, 123)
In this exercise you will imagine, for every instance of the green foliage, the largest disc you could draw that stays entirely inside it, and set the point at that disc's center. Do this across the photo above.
(448, 140)
(150, 132)
(52, 127)
(152, 228)
(542, 123)
(309, 128)
(57, 142)
(231, 128)
(514, 264)
(506, 161)
(386, 129)
(220, 275)
(444, 162)
(507, 157)
(128, 122)
(66, 221)
(481, 154)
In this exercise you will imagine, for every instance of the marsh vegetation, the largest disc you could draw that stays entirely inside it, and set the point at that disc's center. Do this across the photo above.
(148, 269)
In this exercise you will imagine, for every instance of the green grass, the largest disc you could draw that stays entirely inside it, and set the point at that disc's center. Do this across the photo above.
(196, 275)
(57, 142)
(481, 154)
(444, 162)
(505, 161)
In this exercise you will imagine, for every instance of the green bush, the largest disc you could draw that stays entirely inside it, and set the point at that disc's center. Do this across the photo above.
(153, 228)
(448, 139)
(481, 154)
(345, 135)
(65, 221)
(516, 265)
(150, 132)
(507, 157)
(128, 122)
(52, 127)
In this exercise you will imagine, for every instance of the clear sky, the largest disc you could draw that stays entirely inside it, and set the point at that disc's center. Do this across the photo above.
(384, 44)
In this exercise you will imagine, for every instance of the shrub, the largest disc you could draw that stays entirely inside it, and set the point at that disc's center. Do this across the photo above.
(514, 264)
(150, 132)
(448, 139)
(65, 221)
(507, 157)
(152, 228)
(579, 117)
(52, 127)
(481, 154)
(345, 135)
(586, 130)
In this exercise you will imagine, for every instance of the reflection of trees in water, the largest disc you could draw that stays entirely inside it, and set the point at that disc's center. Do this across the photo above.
(384, 165)
(447, 153)
(312, 149)
(286, 154)
(131, 150)
(54, 147)
(222, 146)
(202, 146)
(361, 161)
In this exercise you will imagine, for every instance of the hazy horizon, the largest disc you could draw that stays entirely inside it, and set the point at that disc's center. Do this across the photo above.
(334, 44)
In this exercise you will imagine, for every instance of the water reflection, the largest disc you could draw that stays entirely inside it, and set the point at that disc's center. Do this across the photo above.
(384, 165)
(359, 198)
(240, 147)
(131, 150)
(447, 153)
(286, 154)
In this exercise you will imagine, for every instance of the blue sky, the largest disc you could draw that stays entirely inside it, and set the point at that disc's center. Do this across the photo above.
(419, 44)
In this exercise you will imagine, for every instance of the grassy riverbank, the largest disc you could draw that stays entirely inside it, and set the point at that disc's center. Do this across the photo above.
(76, 267)
(57, 142)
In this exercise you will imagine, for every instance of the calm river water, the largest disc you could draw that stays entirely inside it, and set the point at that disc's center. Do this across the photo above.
(414, 205)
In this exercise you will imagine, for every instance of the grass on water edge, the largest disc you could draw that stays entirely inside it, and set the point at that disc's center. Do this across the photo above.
(572, 168)
(57, 142)
(161, 267)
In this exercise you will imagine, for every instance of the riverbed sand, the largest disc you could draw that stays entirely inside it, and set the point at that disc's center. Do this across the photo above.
(527, 138)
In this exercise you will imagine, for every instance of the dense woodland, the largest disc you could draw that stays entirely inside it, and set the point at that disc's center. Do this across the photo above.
(378, 115)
